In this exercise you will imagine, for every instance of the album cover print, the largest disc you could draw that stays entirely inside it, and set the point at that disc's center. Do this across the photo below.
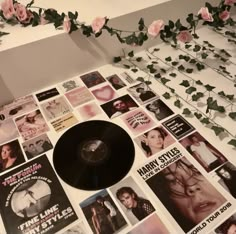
(116, 82)
(104, 94)
(37, 146)
(158, 109)
(178, 126)
(102, 214)
(133, 202)
(31, 125)
(119, 106)
(188, 196)
(89, 110)
(47, 94)
(33, 200)
(8, 130)
(142, 93)
(93, 78)
(152, 225)
(205, 153)
(228, 226)
(11, 155)
(70, 84)
(55, 108)
(154, 141)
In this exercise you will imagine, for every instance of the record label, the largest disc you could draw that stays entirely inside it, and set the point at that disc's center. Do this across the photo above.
(93, 155)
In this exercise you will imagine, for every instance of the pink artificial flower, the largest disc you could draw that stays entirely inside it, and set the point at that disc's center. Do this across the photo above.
(184, 36)
(8, 9)
(155, 27)
(205, 14)
(229, 2)
(21, 12)
(98, 23)
(66, 24)
(224, 15)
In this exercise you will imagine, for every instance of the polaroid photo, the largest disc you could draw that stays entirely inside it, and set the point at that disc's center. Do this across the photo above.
(55, 108)
(11, 155)
(104, 94)
(79, 96)
(116, 82)
(178, 126)
(142, 93)
(158, 109)
(137, 121)
(31, 125)
(154, 141)
(187, 195)
(102, 214)
(119, 106)
(37, 146)
(93, 78)
(205, 153)
(132, 200)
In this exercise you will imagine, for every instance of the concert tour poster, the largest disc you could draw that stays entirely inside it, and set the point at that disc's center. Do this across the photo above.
(33, 200)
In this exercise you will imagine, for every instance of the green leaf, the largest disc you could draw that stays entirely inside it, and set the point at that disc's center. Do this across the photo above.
(186, 111)
(173, 74)
(141, 79)
(126, 66)
(204, 55)
(171, 24)
(197, 48)
(232, 115)
(198, 115)
(168, 59)
(164, 80)
(156, 49)
(221, 93)
(174, 63)
(134, 70)
(158, 75)
(209, 87)
(177, 103)
(187, 46)
(185, 83)
(117, 59)
(230, 97)
(232, 142)
(217, 130)
(147, 82)
(190, 90)
(166, 95)
(139, 59)
(181, 68)
(189, 70)
(198, 82)
(193, 61)
(197, 96)
(205, 121)
(131, 54)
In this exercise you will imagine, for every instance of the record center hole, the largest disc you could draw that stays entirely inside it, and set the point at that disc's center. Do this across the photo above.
(93, 151)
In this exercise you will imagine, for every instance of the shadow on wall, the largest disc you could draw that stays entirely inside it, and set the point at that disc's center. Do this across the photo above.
(6, 95)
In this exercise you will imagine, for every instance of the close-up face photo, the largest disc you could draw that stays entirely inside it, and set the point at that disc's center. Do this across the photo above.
(127, 200)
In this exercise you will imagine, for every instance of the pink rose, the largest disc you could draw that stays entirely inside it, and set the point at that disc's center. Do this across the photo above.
(66, 24)
(184, 36)
(8, 9)
(229, 2)
(155, 27)
(21, 12)
(98, 23)
(205, 14)
(224, 15)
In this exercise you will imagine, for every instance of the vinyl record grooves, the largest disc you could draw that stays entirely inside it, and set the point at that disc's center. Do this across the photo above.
(93, 155)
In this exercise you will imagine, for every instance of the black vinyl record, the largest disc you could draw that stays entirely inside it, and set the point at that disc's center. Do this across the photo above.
(93, 155)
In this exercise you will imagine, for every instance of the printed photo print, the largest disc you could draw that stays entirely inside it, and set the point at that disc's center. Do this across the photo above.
(186, 193)
(93, 78)
(11, 155)
(142, 93)
(37, 146)
(206, 154)
(152, 225)
(119, 106)
(104, 94)
(116, 82)
(102, 214)
(228, 226)
(31, 125)
(178, 126)
(89, 110)
(158, 109)
(69, 85)
(132, 200)
(154, 141)
(55, 108)
(227, 177)
(76, 229)
(8, 130)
